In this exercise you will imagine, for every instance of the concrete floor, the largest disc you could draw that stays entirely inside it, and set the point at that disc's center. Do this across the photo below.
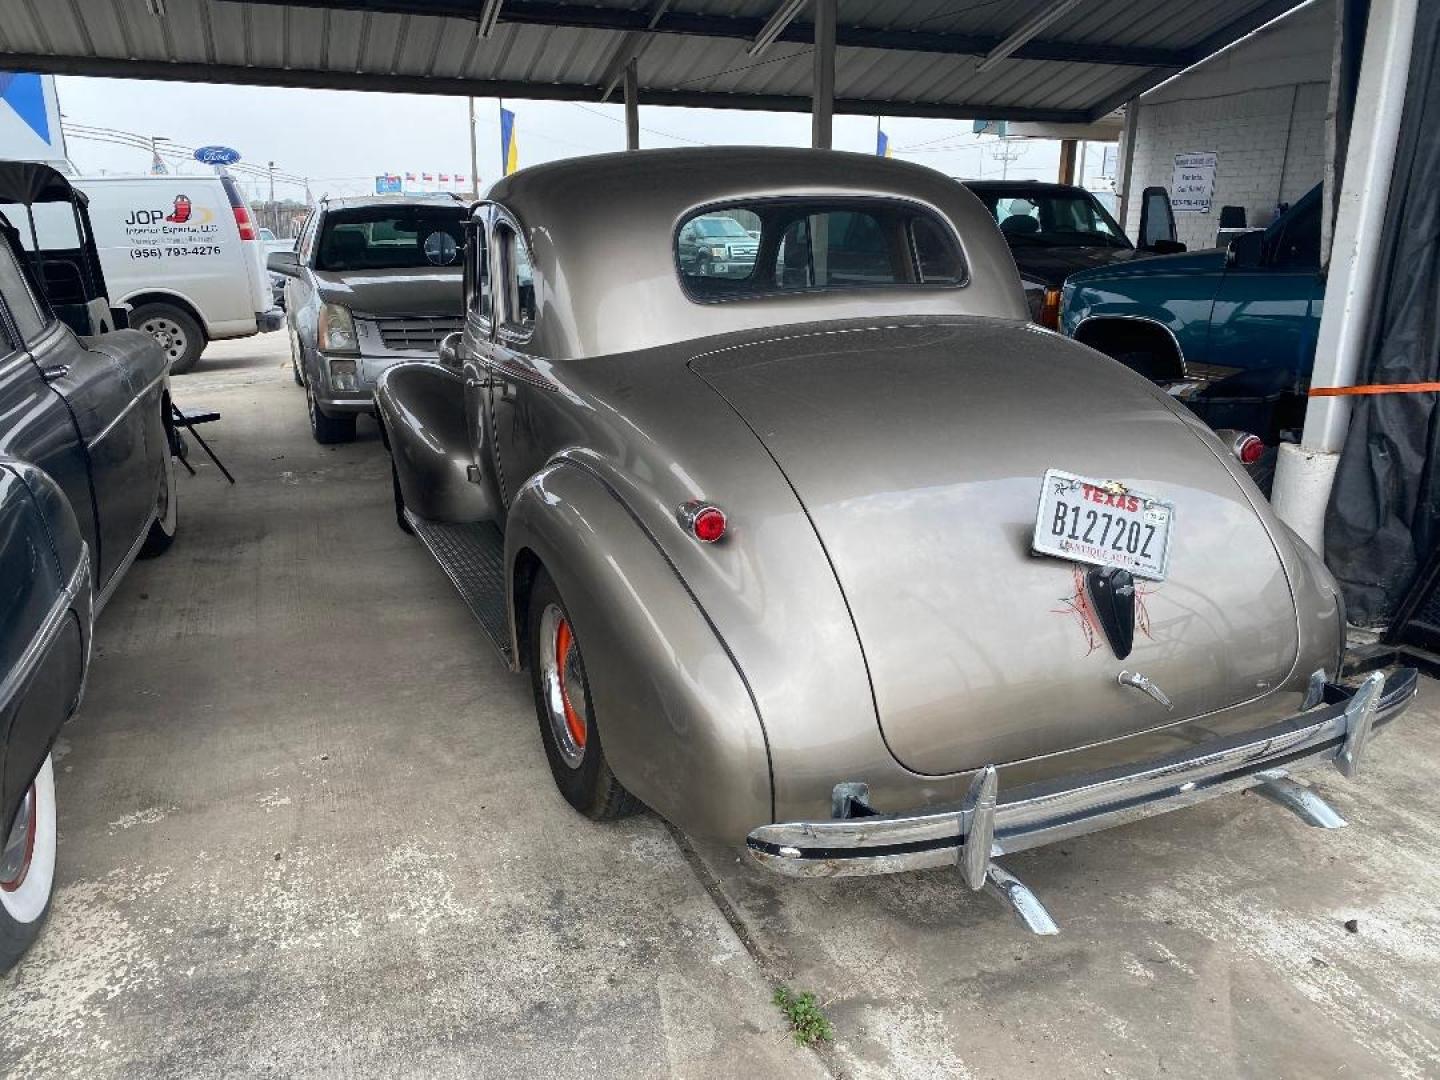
(306, 828)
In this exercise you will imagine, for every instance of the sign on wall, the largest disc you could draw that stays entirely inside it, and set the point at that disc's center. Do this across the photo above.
(1192, 185)
(30, 119)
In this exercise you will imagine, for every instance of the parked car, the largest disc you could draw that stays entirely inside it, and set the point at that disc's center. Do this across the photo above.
(1232, 331)
(786, 552)
(1053, 230)
(184, 253)
(374, 281)
(86, 484)
(717, 245)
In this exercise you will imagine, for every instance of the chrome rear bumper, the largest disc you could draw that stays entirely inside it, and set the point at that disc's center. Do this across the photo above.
(987, 824)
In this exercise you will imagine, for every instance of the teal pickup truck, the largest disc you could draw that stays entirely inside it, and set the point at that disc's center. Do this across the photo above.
(1229, 331)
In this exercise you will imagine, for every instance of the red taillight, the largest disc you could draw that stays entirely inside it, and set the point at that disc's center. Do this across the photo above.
(242, 219)
(1050, 310)
(1249, 449)
(702, 520)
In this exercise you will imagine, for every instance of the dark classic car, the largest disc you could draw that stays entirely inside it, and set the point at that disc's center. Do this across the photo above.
(86, 484)
(1055, 230)
(373, 281)
(847, 561)
(1231, 331)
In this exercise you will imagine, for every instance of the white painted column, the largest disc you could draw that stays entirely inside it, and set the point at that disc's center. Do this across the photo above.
(1305, 473)
(1127, 148)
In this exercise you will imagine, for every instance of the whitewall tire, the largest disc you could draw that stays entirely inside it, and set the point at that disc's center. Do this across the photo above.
(27, 868)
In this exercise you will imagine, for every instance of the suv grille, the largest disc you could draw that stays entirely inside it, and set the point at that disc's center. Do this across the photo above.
(417, 333)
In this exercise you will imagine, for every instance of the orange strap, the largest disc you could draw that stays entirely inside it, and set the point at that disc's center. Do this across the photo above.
(1376, 388)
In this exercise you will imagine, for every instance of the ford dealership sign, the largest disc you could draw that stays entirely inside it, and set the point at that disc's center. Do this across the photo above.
(217, 155)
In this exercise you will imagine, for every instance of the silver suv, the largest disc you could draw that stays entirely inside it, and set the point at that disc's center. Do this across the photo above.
(373, 281)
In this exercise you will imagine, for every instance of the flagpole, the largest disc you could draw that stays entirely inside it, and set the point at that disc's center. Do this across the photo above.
(474, 164)
(500, 116)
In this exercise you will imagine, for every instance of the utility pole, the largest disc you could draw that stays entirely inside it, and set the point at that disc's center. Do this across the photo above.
(272, 185)
(474, 161)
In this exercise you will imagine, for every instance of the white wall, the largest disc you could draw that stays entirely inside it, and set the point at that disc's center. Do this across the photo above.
(1260, 106)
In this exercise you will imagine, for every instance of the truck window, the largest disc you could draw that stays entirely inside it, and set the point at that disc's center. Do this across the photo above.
(24, 310)
(391, 238)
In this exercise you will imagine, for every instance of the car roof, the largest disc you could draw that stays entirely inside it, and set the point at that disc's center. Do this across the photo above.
(1019, 187)
(593, 214)
(352, 202)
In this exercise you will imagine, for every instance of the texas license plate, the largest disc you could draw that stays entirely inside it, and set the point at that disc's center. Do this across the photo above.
(1104, 523)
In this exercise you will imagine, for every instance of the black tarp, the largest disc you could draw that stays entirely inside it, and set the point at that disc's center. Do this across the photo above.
(1383, 521)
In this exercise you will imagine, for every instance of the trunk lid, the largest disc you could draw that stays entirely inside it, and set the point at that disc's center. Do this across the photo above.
(918, 453)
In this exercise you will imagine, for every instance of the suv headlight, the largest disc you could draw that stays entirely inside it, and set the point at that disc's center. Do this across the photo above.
(335, 331)
(718, 251)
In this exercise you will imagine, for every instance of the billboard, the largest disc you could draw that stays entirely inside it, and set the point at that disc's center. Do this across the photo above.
(388, 184)
(30, 120)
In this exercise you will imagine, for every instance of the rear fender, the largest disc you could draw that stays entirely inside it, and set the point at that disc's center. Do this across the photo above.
(681, 730)
(422, 408)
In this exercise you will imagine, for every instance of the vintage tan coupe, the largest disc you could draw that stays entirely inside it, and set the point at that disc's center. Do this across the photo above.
(867, 572)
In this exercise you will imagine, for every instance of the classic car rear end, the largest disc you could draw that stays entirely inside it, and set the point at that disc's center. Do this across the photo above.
(847, 535)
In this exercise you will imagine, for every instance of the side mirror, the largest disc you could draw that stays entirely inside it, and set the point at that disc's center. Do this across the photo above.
(1157, 220)
(449, 350)
(283, 262)
(1246, 251)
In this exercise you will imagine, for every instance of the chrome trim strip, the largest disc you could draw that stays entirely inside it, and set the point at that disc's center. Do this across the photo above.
(50, 629)
(1044, 813)
(125, 411)
(114, 582)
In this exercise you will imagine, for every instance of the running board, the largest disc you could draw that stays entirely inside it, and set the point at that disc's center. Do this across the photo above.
(472, 555)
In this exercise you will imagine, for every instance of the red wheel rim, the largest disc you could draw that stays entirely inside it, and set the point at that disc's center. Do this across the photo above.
(564, 646)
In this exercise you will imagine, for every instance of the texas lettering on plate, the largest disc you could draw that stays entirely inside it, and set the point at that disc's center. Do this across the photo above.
(1104, 523)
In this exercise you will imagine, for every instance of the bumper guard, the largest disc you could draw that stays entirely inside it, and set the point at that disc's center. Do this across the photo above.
(1333, 726)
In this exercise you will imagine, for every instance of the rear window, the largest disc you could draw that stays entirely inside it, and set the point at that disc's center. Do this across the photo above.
(801, 245)
(391, 238)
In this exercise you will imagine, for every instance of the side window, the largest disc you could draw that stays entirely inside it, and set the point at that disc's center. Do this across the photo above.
(519, 283)
(936, 257)
(18, 297)
(482, 296)
(306, 247)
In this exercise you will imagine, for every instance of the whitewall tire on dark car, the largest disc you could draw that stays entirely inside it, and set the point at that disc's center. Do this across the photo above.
(27, 868)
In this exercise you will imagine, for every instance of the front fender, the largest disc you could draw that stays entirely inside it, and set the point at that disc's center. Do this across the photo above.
(680, 727)
(422, 407)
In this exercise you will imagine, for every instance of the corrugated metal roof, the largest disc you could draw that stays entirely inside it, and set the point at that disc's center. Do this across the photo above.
(916, 58)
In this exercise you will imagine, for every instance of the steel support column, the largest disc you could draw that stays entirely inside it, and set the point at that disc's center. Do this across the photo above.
(822, 111)
(1067, 160)
(632, 106)
(1304, 474)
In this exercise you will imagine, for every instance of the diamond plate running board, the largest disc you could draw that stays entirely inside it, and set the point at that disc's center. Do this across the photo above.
(473, 558)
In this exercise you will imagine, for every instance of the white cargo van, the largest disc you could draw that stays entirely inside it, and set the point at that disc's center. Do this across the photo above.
(184, 253)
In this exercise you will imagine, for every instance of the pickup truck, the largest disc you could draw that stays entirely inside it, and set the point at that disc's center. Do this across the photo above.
(87, 484)
(1230, 331)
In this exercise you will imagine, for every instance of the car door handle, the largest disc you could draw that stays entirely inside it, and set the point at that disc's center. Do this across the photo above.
(54, 372)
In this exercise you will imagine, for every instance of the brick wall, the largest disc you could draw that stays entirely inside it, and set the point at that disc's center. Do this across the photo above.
(1270, 147)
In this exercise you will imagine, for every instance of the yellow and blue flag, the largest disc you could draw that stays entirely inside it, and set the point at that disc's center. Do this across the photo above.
(509, 148)
(882, 144)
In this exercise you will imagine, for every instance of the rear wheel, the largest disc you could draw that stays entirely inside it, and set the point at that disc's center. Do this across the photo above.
(177, 332)
(567, 717)
(329, 429)
(27, 869)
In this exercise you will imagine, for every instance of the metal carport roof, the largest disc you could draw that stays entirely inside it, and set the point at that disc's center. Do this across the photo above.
(917, 58)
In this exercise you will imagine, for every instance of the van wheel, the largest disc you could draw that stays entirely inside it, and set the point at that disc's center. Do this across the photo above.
(329, 429)
(178, 334)
(27, 868)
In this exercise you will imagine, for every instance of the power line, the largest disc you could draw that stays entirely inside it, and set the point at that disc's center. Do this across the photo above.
(652, 131)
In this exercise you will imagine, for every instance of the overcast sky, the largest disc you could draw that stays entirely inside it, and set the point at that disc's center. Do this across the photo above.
(342, 139)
